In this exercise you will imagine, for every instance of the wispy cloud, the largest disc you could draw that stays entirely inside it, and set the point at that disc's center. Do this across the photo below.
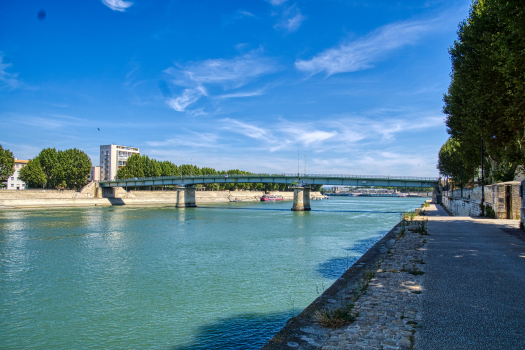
(276, 2)
(7, 80)
(291, 19)
(226, 73)
(229, 73)
(188, 97)
(117, 5)
(242, 94)
(360, 54)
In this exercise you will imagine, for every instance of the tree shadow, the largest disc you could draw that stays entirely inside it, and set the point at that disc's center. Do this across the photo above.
(333, 268)
(242, 332)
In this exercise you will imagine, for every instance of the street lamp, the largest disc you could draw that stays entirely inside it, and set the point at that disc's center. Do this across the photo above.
(482, 182)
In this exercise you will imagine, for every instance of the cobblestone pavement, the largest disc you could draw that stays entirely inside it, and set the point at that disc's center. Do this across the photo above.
(388, 309)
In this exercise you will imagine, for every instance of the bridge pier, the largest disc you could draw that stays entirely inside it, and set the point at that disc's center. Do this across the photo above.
(301, 199)
(186, 197)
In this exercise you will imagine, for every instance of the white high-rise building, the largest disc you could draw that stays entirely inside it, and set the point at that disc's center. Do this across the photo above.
(112, 158)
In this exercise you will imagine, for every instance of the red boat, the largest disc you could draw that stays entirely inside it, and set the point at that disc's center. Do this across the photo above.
(270, 198)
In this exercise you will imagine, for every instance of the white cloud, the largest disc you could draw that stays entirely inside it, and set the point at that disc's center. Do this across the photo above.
(246, 129)
(230, 73)
(188, 97)
(276, 2)
(245, 13)
(117, 5)
(291, 19)
(242, 94)
(7, 79)
(360, 54)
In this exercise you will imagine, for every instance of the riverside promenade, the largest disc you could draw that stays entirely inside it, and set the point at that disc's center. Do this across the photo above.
(471, 294)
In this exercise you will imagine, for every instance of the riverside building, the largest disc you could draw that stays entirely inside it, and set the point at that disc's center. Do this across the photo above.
(112, 158)
(13, 182)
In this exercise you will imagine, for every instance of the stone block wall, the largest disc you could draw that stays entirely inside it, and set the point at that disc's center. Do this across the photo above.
(469, 204)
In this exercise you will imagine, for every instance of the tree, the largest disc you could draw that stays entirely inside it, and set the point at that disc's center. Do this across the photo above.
(455, 163)
(48, 159)
(486, 96)
(7, 163)
(32, 174)
(75, 166)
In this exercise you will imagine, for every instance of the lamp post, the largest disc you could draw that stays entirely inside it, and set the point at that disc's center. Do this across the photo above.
(482, 182)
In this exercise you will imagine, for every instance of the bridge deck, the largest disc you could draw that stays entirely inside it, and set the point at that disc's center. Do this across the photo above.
(291, 179)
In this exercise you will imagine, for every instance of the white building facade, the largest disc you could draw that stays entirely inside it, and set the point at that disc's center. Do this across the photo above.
(112, 158)
(13, 182)
(94, 175)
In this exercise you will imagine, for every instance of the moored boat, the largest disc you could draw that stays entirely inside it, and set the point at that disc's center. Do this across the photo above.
(270, 198)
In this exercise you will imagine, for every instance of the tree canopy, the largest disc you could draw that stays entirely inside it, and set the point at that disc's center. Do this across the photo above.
(7, 163)
(486, 96)
(60, 169)
(32, 174)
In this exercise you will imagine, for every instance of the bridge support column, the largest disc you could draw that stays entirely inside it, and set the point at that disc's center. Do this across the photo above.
(301, 199)
(186, 197)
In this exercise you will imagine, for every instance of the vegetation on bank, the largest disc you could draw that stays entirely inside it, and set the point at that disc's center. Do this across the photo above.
(7, 163)
(144, 166)
(57, 169)
(485, 102)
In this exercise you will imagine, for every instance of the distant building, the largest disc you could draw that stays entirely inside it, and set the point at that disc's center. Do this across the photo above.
(13, 182)
(112, 158)
(94, 175)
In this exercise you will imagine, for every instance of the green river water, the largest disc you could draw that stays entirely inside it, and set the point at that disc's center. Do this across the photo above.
(222, 276)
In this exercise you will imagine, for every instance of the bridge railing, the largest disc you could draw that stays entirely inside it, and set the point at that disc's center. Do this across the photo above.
(302, 176)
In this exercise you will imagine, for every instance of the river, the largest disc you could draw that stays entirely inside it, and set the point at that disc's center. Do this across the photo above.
(222, 276)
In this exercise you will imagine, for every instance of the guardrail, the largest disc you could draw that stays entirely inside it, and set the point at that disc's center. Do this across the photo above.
(302, 176)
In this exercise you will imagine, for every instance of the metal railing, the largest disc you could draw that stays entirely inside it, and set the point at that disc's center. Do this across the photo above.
(302, 176)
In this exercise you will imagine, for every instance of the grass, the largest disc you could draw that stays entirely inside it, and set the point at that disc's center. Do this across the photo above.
(336, 318)
(421, 227)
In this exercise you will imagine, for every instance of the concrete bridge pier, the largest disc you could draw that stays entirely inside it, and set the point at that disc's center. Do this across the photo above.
(186, 197)
(301, 199)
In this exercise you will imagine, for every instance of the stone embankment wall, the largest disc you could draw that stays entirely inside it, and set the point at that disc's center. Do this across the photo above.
(495, 198)
(91, 195)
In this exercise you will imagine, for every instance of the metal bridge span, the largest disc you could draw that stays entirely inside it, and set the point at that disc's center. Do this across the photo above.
(291, 179)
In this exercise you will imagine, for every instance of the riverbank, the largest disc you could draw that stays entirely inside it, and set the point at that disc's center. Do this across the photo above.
(67, 198)
(451, 285)
(383, 286)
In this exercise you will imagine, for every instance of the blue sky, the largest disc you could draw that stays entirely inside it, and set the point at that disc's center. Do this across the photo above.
(356, 85)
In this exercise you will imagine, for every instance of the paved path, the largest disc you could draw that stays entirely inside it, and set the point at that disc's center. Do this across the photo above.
(474, 287)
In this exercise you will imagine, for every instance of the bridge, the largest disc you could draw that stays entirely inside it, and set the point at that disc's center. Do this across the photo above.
(301, 183)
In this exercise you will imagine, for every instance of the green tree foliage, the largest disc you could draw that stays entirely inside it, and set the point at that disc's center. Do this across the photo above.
(61, 169)
(32, 174)
(486, 96)
(7, 163)
(48, 159)
(456, 164)
(75, 166)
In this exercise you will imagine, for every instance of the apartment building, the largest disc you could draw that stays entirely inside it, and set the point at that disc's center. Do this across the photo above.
(94, 175)
(13, 182)
(112, 158)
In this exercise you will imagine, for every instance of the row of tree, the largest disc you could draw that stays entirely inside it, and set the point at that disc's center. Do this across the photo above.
(57, 169)
(143, 166)
(7, 163)
(485, 102)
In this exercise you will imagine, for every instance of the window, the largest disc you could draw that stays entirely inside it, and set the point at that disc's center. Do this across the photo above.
(12, 185)
(17, 165)
(12, 178)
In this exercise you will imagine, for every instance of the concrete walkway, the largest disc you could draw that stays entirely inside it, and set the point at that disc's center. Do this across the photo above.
(474, 287)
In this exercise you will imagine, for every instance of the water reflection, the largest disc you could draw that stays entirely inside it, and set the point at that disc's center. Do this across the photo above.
(189, 278)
